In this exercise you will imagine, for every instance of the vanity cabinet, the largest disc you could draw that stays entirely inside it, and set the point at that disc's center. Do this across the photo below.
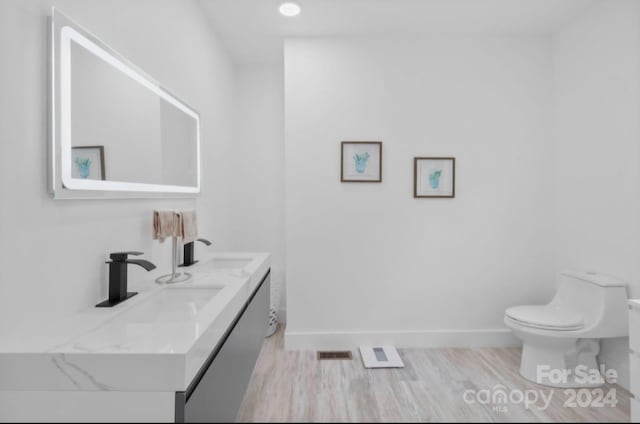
(634, 358)
(215, 394)
(173, 353)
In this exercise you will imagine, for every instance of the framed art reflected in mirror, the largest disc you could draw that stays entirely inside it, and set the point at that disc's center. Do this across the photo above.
(88, 162)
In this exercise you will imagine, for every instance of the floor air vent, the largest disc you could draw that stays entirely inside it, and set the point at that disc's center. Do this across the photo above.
(334, 354)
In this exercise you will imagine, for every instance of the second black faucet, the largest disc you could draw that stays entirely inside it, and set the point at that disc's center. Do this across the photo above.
(187, 252)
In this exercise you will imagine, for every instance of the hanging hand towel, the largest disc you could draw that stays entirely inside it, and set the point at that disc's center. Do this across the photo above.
(189, 226)
(165, 224)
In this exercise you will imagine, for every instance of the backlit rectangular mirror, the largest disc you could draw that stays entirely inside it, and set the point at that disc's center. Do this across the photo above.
(115, 132)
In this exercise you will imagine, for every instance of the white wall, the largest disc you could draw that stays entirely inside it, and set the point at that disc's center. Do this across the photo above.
(367, 262)
(52, 253)
(597, 149)
(257, 174)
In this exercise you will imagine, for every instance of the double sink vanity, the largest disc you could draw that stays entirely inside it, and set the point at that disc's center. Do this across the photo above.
(179, 352)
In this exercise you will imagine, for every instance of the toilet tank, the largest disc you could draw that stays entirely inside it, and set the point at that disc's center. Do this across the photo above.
(599, 298)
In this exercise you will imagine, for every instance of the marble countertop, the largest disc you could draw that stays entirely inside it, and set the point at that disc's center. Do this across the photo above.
(155, 341)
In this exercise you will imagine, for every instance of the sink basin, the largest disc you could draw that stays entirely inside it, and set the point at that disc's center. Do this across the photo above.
(170, 304)
(225, 264)
(166, 320)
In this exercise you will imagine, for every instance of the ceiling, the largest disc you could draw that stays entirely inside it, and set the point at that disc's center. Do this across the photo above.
(253, 30)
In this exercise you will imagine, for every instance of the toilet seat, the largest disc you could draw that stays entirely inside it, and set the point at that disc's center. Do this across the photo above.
(545, 317)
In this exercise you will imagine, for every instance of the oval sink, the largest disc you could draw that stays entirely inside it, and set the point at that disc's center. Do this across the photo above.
(166, 320)
(172, 303)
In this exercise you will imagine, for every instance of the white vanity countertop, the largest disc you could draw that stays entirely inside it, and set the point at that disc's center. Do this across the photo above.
(634, 303)
(154, 341)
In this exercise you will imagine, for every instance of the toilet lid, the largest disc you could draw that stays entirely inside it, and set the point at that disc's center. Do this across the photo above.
(545, 317)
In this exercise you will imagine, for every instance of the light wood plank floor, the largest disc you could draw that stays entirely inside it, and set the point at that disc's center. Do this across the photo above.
(295, 386)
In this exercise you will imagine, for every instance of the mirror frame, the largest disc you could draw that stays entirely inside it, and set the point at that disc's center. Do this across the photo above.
(62, 185)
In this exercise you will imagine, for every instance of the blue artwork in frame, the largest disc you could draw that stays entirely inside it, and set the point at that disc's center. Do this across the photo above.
(434, 177)
(87, 162)
(361, 161)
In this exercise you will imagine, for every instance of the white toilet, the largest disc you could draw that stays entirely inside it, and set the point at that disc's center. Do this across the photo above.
(564, 334)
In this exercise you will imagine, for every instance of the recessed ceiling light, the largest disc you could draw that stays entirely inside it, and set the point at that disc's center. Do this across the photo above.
(290, 9)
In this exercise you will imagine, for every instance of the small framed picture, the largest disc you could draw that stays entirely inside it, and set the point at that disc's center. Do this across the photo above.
(361, 162)
(434, 177)
(87, 162)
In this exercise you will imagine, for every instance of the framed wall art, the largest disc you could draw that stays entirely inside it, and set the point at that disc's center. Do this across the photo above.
(88, 162)
(434, 177)
(361, 162)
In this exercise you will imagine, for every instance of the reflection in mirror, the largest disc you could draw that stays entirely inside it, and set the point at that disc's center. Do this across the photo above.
(115, 129)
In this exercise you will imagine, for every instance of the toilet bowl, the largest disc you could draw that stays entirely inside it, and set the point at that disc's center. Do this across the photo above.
(560, 340)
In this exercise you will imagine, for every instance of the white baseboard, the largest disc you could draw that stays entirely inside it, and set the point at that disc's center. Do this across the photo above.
(320, 340)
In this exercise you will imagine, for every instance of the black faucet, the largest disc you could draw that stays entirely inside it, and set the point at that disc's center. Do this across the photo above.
(187, 252)
(118, 277)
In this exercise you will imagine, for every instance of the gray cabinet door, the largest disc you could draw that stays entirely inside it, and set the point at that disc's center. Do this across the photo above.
(218, 395)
